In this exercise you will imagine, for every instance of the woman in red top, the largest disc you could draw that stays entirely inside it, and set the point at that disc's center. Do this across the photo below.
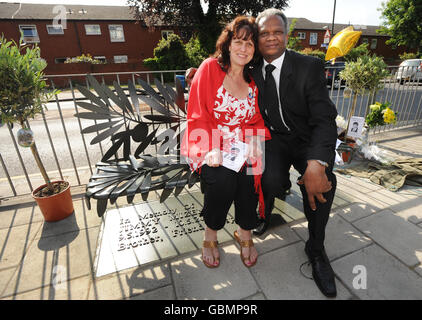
(223, 114)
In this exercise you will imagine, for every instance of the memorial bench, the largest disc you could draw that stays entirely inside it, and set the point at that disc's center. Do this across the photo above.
(126, 174)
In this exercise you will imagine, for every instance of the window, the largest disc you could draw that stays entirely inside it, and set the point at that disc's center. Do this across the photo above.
(166, 33)
(101, 58)
(60, 60)
(30, 34)
(116, 33)
(55, 29)
(120, 59)
(92, 29)
(301, 35)
(313, 39)
(373, 43)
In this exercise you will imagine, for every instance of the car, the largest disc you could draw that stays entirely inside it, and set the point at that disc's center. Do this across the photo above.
(334, 70)
(409, 70)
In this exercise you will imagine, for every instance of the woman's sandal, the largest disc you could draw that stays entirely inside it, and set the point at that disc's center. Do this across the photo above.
(245, 244)
(210, 245)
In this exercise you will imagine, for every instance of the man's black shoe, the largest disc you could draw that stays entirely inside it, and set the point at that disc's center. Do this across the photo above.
(261, 228)
(322, 273)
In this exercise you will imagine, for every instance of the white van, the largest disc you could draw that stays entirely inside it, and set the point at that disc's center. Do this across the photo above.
(410, 70)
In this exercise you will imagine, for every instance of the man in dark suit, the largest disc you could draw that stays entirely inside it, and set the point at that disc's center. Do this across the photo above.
(295, 105)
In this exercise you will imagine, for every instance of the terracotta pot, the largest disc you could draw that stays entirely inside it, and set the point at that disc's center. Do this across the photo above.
(57, 206)
(348, 154)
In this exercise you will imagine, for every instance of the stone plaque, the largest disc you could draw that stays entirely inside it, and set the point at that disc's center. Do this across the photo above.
(151, 231)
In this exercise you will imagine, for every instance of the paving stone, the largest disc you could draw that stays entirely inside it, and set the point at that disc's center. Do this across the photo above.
(410, 210)
(356, 211)
(70, 254)
(166, 293)
(131, 282)
(20, 215)
(419, 270)
(341, 237)
(5, 276)
(358, 196)
(231, 280)
(258, 296)
(15, 242)
(387, 278)
(396, 235)
(279, 277)
(71, 290)
(275, 238)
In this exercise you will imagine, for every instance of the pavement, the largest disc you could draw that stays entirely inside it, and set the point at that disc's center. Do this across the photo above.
(373, 240)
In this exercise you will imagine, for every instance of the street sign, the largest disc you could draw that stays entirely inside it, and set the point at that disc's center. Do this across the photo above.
(327, 36)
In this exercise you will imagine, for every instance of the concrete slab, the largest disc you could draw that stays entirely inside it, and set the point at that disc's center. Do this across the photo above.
(418, 269)
(396, 235)
(386, 277)
(258, 296)
(130, 283)
(166, 293)
(356, 211)
(71, 290)
(410, 210)
(20, 215)
(341, 237)
(66, 256)
(278, 275)
(15, 242)
(231, 280)
(275, 238)
(5, 276)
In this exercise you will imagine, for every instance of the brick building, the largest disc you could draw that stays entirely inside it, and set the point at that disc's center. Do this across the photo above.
(108, 33)
(111, 34)
(312, 36)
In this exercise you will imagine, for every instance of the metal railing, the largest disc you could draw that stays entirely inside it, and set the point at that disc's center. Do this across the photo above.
(66, 152)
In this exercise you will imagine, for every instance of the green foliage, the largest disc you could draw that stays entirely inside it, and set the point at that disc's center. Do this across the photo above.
(23, 92)
(408, 55)
(195, 52)
(170, 54)
(402, 21)
(293, 43)
(364, 74)
(191, 14)
(356, 52)
(380, 115)
(314, 53)
(83, 59)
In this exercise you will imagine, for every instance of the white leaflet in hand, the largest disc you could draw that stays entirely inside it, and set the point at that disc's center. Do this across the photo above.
(237, 156)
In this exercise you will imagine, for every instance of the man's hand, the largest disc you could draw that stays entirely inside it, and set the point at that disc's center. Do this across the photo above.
(316, 183)
(213, 158)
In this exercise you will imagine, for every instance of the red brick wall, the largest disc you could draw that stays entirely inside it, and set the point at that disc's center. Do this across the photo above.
(139, 43)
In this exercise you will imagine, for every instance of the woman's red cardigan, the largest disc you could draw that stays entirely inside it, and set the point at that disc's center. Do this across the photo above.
(202, 134)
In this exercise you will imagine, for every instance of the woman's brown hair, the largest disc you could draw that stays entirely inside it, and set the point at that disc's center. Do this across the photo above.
(244, 28)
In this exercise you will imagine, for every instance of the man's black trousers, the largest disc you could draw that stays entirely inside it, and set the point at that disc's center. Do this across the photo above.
(282, 151)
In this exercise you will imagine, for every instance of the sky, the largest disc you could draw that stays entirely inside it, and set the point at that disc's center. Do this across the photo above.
(363, 12)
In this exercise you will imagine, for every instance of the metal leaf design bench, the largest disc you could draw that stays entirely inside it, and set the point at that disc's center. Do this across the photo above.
(124, 124)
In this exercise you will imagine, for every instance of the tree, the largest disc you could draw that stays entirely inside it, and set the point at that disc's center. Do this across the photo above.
(356, 52)
(294, 43)
(190, 13)
(403, 23)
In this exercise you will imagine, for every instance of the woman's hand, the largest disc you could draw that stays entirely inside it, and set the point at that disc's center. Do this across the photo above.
(254, 149)
(213, 158)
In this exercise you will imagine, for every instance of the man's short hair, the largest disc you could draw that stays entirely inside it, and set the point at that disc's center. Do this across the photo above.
(274, 12)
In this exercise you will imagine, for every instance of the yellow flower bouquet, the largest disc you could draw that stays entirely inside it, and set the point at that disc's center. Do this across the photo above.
(380, 114)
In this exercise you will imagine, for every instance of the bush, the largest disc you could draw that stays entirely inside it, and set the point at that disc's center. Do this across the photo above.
(359, 51)
(408, 55)
(170, 54)
(195, 52)
(364, 74)
(83, 59)
(314, 53)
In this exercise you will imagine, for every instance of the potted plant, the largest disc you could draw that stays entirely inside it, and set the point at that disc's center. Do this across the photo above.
(363, 76)
(23, 94)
